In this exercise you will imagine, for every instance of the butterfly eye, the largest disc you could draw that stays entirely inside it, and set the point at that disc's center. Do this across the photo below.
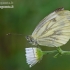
(27, 37)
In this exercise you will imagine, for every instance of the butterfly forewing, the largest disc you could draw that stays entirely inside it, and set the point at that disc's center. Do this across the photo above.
(42, 23)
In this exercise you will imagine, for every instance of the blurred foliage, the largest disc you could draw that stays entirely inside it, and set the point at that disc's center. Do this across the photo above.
(22, 19)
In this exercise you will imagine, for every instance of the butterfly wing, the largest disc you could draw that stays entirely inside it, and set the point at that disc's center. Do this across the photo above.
(42, 23)
(53, 30)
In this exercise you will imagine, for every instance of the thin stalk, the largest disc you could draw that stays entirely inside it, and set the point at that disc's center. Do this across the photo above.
(59, 51)
(50, 52)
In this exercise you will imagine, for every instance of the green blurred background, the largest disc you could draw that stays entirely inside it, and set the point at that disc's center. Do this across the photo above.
(22, 19)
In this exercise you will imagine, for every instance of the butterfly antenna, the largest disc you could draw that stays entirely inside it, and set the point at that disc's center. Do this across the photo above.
(13, 34)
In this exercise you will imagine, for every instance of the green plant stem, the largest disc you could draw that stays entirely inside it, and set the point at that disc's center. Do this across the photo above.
(66, 52)
(50, 52)
(59, 51)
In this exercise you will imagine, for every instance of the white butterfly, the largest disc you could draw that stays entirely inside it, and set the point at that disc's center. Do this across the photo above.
(53, 30)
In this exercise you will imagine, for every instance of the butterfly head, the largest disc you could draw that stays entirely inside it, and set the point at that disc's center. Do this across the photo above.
(31, 40)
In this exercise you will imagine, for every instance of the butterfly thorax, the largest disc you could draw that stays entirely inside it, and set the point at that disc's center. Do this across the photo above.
(31, 40)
